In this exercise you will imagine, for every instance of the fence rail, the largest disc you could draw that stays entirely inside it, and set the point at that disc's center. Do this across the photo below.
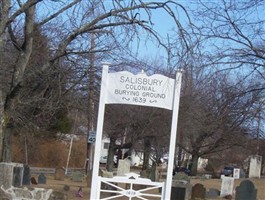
(51, 171)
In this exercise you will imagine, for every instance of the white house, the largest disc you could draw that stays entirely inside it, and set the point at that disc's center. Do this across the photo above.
(135, 157)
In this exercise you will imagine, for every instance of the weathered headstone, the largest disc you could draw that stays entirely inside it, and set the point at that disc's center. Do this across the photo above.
(242, 174)
(42, 179)
(255, 166)
(227, 186)
(9, 176)
(106, 174)
(59, 174)
(212, 193)
(17, 176)
(178, 193)
(33, 181)
(182, 178)
(181, 187)
(198, 191)
(77, 176)
(236, 173)
(26, 175)
(246, 190)
(123, 167)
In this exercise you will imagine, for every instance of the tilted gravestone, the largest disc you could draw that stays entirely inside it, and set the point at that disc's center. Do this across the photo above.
(77, 176)
(42, 179)
(212, 193)
(59, 174)
(246, 190)
(198, 192)
(33, 181)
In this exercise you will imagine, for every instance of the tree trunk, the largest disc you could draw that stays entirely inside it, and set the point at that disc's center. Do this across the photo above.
(147, 151)
(194, 164)
(8, 101)
(4, 13)
(111, 153)
(1, 123)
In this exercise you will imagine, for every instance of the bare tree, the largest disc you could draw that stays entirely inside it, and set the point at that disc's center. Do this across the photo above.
(72, 22)
(234, 35)
(215, 116)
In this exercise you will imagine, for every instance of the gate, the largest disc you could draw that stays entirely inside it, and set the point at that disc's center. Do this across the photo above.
(130, 186)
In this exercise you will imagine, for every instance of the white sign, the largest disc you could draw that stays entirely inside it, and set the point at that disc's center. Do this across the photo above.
(127, 88)
(91, 137)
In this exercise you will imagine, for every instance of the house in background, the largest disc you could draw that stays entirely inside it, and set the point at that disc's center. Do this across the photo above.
(136, 158)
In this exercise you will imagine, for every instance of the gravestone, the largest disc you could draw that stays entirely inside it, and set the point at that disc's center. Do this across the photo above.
(42, 179)
(181, 177)
(236, 173)
(198, 191)
(11, 174)
(106, 174)
(255, 166)
(17, 176)
(59, 174)
(242, 174)
(33, 181)
(227, 186)
(178, 193)
(26, 175)
(123, 167)
(212, 193)
(246, 190)
(181, 187)
(77, 176)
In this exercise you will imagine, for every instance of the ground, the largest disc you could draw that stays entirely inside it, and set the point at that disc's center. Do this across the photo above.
(70, 188)
(74, 186)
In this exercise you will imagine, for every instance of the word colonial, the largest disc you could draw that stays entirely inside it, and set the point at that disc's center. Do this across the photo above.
(140, 87)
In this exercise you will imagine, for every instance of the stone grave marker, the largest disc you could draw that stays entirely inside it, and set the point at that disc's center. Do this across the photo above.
(178, 193)
(242, 174)
(77, 176)
(212, 193)
(42, 179)
(255, 166)
(182, 178)
(181, 187)
(236, 173)
(106, 174)
(59, 174)
(26, 175)
(17, 176)
(198, 192)
(11, 174)
(246, 190)
(33, 181)
(123, 167)
(227, 186)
